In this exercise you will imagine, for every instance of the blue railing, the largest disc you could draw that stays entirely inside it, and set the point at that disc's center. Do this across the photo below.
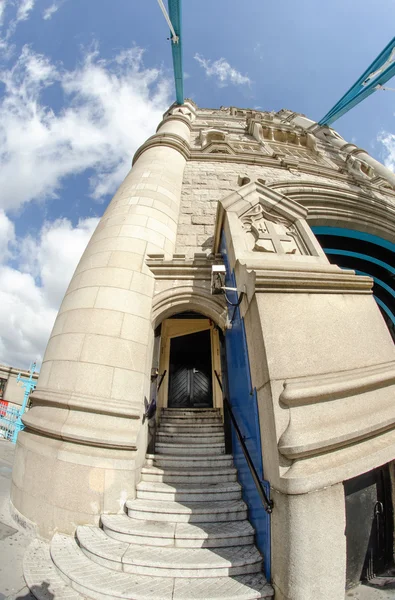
(9, 423)
(11, 417)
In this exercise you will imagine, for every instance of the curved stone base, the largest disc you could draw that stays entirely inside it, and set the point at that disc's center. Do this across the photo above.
(59, 485)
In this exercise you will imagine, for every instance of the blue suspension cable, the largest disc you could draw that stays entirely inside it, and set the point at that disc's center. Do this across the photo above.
(378, 73)
(176, 49)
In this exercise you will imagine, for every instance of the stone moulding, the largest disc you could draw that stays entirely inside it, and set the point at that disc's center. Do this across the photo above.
(337, 385)
(83, 438)
(170, 140)
(309, 282)
(85, 403)
(185, 285)
(54, 409)
(334, 411)
(329, 204)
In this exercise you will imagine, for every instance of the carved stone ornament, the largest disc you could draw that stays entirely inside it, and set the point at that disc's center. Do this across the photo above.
(269, 234)
(263, 224)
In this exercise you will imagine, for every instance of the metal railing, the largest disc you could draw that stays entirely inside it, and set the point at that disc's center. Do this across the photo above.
(9, 422)
(151, 407)
(267, 503)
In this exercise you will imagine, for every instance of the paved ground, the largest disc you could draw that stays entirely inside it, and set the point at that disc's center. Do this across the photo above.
(14, 540)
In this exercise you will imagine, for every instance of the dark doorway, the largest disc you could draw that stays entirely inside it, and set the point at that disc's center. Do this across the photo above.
(369, 525)
(190, 371)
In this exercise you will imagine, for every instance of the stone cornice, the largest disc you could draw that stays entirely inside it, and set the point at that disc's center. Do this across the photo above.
(245, 158)
(170, 140)
(265, 160)
(181, 268)
(301, 187)
(176, 117)
(323, 281)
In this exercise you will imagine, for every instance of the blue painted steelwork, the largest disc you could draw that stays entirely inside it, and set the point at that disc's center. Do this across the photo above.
(8, 418)
(378, 281)
(243, 400)
(378, 73)
(29, 386)
(176, 49)
(371, 259)
(353, 233)
(385, 309)
(383, 291)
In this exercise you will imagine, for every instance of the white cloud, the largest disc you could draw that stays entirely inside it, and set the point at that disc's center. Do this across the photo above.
(112, 107)
(30, 295)
(24, 9)
(222, 71)
(7, 237)
(52, 9)
(388, 141)
(2, 9)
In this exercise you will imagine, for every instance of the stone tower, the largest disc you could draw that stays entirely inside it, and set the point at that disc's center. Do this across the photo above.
(262, 194)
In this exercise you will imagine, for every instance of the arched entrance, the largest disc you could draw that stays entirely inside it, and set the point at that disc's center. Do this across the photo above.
(189, 355)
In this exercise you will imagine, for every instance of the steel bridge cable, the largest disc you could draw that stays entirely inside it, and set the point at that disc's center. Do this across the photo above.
(173, 19)
(379, 72)
(175, 37)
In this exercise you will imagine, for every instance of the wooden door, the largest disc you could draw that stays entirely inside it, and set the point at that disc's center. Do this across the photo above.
(190, 384)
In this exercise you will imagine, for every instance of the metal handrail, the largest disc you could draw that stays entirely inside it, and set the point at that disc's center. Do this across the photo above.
(267, 503)
(151, 407)
(161, 380)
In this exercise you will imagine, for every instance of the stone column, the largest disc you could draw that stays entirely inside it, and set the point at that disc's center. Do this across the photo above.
(309, 545)
(85, 441)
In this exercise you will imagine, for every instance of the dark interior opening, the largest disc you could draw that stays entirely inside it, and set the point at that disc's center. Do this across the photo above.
(190, 377)
(369, 525)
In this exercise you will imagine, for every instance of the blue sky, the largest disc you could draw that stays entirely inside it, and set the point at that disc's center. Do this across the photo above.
(83, 83)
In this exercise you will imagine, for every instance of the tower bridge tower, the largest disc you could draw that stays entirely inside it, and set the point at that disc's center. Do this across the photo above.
(306, 360)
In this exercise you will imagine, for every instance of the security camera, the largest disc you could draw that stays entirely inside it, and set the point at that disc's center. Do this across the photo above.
(218, 273)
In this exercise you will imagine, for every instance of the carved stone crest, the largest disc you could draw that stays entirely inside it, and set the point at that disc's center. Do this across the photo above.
(271, 234)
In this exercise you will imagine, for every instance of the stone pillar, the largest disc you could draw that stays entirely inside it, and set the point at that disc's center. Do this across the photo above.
(309, 545)
(85, 442)
(322, 363)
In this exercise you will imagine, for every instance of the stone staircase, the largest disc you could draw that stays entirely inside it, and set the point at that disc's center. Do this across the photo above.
(185, 537)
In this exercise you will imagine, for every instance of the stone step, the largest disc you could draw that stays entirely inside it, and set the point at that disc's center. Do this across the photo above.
(180, 535)
(187, 512)
(197, 437)
(95, 581)
(190, 462)
(167, 562)
(98, 582)
(185, 428)
(189, 449)
(221, 492)
(244, 587)
(198, 412)
(184, 420)
(42, 577)
(186, 475)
